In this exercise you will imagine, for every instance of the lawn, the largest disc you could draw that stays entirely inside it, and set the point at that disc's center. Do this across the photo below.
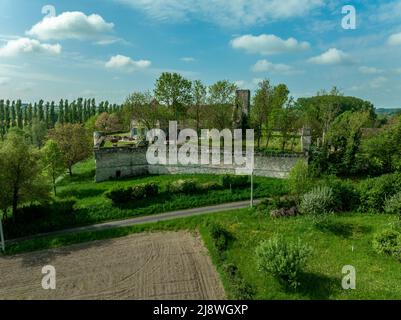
(93, 207)
(344, 240)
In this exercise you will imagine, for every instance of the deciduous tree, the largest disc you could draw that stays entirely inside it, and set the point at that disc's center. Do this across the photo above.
(74, 142)
(53, 162)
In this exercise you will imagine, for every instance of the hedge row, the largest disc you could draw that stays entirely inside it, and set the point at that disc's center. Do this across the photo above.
(121, 195)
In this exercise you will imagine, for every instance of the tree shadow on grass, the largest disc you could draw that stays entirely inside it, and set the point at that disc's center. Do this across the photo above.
(340, 229)
(317, 286)
(80, 193)
(143, 203)
(79, 177)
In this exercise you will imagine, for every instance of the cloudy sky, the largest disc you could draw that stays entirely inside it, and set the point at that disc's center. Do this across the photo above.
(109, 48)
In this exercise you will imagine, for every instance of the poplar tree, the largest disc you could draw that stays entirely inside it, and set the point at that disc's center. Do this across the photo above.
(53, 115)
(30, 114)
(61, 115)
(47, 114)
(35, 111)
(13, 115)
(66, 112)
(93, 107)
(2, 120)
(41, 114)
(7, 115)
(19, 114)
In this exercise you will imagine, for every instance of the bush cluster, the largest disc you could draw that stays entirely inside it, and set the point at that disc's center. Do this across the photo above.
(300, 180)
(388, 242)
(33, 212)
(283, 259)
(36, 218)
(120, 195)
(187, 186)
(190, 186)
(392, 204)
(346, 195)
(373, 192)
(241, 289)
(320, 200)
(220, 236)
(231, 181)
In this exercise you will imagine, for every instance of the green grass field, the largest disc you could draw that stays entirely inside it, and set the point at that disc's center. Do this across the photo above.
(344, 240)
(93, 207)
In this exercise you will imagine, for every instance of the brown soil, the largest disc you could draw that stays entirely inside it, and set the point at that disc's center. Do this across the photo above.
(167, 265)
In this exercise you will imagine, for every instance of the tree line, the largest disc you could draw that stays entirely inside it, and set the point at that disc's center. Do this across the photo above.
(47, 115)
(193, 104)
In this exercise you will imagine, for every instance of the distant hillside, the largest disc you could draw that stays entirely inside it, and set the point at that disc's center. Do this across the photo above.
(388, 111)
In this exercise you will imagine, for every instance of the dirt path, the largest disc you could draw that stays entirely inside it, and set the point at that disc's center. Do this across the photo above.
(166, 265)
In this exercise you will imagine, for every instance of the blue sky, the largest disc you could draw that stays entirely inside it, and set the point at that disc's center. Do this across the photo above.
(109, 48)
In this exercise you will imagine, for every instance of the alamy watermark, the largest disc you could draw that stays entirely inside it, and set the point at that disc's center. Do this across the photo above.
(349, 20)
(183, 148)
(49, 278)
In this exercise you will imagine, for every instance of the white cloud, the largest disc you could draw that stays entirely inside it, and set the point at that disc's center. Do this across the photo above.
(188, 59)
(369, 70)
(224, 12)
(388, 12)
(27, 46)
(240, 83)
(256, 81)
(123, 63)
(266, 66)
(395, 39)
(4, 81)
(266, 44)
(71, 25)
(378, 82)
(332, 56)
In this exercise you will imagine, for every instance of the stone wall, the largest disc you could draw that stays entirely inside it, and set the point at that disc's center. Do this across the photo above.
(112, 163)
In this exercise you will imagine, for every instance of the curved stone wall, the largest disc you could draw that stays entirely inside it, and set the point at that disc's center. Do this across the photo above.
(120, 162)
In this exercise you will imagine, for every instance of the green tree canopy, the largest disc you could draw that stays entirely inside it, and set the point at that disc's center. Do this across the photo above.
(74, 141)
(52, 162)
(20, 179)
(174, 91)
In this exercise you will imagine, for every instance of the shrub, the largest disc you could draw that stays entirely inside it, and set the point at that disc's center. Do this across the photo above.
(230, 269)
(119, 194)
(318, 201)
(388, 242)
(346, 196)
(231, 181)
(283, 259)
(241, 289)
(208, 186)
(220, 236)
(32, 212)
(299, 179)
(184, 186)
(65, 206)
(138, 192)
(392, 205)
(373, 192)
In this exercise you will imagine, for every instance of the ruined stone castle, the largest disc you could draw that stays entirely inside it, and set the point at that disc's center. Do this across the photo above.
(119, 162)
